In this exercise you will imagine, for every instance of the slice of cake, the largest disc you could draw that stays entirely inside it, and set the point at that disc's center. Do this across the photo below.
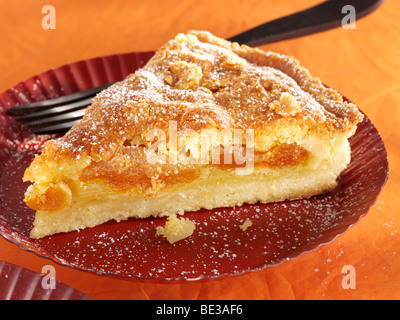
(205, 124)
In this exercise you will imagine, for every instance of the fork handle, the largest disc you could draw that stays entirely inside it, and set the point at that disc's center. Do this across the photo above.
(322, 17)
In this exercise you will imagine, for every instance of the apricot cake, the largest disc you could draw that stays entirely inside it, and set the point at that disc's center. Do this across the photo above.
(205, 123)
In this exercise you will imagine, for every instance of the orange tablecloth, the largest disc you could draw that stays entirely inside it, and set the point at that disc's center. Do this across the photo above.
(362, 63)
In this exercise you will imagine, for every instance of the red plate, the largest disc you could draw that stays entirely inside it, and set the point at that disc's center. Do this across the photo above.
(218, 247)
(18, 283)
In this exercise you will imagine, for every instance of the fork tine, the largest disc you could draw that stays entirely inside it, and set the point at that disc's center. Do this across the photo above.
(77, 105)
(56, 119)
(46, 104)
(58, 128)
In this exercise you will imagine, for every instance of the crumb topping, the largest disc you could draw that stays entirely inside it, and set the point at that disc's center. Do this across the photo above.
(202, 81)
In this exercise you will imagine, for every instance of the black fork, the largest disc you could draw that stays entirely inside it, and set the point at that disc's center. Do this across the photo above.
(60, 114)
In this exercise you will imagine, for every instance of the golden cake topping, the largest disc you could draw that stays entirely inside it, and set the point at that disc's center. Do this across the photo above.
(201, 81)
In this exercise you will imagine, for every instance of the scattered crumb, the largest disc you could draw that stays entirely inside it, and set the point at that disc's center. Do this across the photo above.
(176, 229)
(286, 106)
(246, 224)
